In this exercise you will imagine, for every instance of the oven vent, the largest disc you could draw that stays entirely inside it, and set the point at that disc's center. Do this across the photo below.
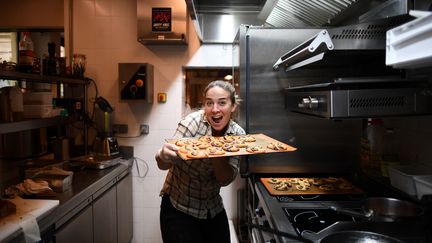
(366, 31)
(332, 103)
(378, 102)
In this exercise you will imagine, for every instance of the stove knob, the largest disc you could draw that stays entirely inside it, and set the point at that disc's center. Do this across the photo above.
(270, 241)
(259, 212)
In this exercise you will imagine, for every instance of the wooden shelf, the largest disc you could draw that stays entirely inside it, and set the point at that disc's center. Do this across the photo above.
(30, 77)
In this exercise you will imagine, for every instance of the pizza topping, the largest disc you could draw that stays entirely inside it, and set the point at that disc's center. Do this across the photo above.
(203, 145)
(181, 143)
(274, 180)
(255, 149)
(248, 138)
(196, 154)
(230, 148)
(277, 146)
(281, 187)
(216, 144)
(226, 139)
(187, 148)
(302, 187)
(326, 187)
(239, 144)
(206, 139)
(215, 151)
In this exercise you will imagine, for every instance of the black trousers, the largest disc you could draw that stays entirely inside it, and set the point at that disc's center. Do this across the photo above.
(178, 227)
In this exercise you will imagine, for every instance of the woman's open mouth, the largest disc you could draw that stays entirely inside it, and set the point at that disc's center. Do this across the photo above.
(217, 119)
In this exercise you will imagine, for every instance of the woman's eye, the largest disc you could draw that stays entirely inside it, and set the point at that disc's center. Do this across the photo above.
(209, 103)
(222, 103)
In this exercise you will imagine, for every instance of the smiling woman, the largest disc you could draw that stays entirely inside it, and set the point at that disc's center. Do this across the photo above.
(191, 208)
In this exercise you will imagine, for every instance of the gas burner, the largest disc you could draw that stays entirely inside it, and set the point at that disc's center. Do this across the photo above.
(315, 220)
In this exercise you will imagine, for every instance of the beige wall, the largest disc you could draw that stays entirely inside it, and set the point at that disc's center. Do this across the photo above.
(23, 14)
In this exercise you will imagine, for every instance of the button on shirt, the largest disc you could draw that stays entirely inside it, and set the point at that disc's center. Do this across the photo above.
(192, 185)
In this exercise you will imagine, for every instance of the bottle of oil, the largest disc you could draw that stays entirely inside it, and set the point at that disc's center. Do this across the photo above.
(26, 55)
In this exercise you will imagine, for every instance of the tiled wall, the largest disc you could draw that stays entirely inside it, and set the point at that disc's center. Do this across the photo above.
(105, 31)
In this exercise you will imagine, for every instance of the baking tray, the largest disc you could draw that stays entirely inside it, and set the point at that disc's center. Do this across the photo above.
(261, 140)
(339, 185)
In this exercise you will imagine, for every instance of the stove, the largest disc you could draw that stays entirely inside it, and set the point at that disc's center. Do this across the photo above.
(300, 218)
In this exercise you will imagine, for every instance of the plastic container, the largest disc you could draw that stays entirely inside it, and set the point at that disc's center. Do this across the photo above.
(402, 177)
(423, 185)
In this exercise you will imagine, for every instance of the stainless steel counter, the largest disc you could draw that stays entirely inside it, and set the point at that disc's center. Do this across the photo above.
(87, 186)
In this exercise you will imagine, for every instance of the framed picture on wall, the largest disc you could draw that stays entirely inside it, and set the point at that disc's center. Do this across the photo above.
(161, 19)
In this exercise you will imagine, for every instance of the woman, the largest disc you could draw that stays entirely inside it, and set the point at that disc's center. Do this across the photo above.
(191, 208)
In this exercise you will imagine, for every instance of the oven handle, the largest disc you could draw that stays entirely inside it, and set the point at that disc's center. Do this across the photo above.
(277, 232)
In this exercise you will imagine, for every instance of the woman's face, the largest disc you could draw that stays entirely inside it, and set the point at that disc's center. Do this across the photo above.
(218, 107)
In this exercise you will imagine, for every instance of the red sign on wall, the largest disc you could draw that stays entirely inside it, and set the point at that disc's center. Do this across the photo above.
(161, 19)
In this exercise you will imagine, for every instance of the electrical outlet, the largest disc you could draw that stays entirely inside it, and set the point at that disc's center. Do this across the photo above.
(120, 128)
(144, 129)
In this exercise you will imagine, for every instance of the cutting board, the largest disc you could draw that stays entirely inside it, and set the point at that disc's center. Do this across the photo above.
(327, 185)
(25, 210)
(261, 140)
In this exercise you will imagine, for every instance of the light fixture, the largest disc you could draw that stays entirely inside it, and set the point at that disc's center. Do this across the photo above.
(228, 77)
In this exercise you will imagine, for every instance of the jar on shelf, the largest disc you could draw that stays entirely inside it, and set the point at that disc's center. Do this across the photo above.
(26, 53)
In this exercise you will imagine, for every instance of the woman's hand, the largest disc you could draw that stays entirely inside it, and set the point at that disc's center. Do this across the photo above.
(166, 156)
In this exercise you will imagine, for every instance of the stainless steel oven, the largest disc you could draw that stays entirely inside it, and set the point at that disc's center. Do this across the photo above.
(275, 103)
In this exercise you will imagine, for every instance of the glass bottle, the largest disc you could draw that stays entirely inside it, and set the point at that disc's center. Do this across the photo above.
(375, 132)
(26, 53)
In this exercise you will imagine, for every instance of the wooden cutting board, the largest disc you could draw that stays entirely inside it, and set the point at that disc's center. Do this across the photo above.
(25, 210)
(261, 140)
(321, 185)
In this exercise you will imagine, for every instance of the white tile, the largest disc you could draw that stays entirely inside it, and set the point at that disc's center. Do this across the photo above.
(122, 28)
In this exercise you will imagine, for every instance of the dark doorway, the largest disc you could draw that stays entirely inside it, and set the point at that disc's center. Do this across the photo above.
(198, 78)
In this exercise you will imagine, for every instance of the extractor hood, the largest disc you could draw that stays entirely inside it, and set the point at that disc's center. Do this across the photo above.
(217, 21)
(162, 22)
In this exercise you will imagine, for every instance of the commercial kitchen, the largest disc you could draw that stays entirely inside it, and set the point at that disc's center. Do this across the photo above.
(346, 83)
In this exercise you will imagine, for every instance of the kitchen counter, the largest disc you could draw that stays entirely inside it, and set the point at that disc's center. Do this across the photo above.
(87, 185)
(274, 216)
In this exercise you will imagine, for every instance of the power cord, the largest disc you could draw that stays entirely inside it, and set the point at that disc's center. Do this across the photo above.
(136, 160)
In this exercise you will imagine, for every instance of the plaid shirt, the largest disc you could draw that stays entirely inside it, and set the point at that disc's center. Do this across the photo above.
(191, 184)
